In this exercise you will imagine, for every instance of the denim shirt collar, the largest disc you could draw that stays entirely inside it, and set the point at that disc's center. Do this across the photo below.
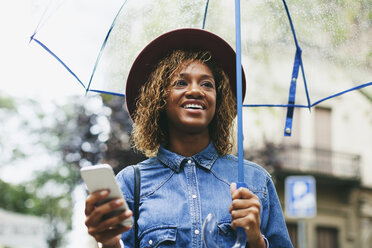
(174, 161)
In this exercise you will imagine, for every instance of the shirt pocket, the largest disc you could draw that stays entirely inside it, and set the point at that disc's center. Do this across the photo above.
(159, 236)
(226, 234)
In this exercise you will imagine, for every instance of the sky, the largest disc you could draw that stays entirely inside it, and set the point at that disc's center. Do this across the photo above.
(27, 70)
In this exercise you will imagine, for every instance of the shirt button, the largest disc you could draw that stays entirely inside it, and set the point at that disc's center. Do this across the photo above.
(196, 232)
(189, 161)
(194, 196)
(150, 242)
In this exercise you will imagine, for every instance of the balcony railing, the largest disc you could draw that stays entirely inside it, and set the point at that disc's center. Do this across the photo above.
(321, 161)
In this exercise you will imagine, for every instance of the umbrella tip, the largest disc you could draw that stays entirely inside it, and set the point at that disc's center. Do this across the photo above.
(32, 37)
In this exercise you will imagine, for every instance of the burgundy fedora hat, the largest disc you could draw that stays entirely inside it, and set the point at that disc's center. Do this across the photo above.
(188, 38)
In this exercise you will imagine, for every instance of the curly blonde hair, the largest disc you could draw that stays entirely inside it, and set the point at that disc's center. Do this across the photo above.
(150, 123)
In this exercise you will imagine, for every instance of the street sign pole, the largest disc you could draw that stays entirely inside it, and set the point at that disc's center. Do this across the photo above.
(301, 233)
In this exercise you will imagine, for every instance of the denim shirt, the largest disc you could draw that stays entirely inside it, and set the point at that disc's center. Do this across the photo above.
(177, 194)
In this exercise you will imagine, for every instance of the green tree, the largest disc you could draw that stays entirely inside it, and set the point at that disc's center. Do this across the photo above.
(47, 193)
(83, 131)
(100, 133)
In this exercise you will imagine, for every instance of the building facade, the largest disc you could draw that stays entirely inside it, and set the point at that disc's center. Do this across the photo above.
(332, 143)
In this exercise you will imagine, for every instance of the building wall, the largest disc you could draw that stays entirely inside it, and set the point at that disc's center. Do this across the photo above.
(31, 229)
(345, 207)
(343, 203)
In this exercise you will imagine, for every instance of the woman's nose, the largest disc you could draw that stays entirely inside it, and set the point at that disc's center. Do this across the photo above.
(194, 91)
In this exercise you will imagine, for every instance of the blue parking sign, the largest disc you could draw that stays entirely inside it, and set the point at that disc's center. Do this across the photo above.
(300, 197)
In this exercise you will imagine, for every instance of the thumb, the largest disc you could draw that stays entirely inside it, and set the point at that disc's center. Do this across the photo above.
(232, 188)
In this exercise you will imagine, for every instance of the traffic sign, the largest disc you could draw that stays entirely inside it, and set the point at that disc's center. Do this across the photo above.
(300, 197)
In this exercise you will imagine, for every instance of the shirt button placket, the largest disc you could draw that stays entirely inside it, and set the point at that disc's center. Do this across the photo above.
(194, 204)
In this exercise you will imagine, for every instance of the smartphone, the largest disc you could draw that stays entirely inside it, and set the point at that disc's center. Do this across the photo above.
(100, 177)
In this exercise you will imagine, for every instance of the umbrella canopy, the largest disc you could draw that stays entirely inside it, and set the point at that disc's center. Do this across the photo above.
(97, 42)
(294, 53)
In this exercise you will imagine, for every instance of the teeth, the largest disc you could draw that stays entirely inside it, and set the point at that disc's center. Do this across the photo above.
(193, 106)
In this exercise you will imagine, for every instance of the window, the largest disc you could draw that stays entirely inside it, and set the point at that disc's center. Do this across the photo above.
(327, 237)
(323, 139)
(323, 128)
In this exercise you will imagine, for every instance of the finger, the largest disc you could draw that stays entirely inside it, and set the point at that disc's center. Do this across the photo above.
(241, 213)
(242, 193)
(93, 199)
(114, 221)
(109, 234)
(95, 217)
(244, 203)
(249, 222)
(232, 188)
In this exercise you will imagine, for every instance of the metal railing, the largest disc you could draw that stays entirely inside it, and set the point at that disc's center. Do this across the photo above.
(320, 161)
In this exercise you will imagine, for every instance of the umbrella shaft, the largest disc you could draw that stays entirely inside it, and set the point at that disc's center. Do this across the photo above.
(239, 91)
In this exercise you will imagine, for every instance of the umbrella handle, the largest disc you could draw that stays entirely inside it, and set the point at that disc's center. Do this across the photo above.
(241, 237)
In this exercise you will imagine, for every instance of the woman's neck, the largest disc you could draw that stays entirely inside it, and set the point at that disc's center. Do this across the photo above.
(188, 145)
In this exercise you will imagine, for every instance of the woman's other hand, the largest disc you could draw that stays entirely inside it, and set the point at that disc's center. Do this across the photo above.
(245, 213)
(107, 232)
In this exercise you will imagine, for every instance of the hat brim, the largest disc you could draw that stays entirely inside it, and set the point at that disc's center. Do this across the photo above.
(157, 49)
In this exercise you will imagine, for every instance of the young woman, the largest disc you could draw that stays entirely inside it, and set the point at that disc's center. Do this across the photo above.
(181, 96)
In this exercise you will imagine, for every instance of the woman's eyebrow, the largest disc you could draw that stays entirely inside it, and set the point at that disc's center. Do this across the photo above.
(183, 75)
(207, 76)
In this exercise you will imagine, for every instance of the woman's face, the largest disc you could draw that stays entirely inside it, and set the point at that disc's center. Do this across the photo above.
(191, 102)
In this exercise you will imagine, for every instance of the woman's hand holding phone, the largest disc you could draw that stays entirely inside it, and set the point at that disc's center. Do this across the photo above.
(108, 215)
(106, 231)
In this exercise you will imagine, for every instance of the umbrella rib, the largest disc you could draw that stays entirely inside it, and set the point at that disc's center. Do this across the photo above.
(306, 89)
(103, 46)
(57, 58)
(290, 23)
(275, 105)
(312, 105)
(342, 92)
(107, 92)
(205, 14)
(46, 15)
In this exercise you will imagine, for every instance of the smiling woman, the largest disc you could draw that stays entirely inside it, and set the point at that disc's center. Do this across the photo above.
(180, 94)
(151, 105)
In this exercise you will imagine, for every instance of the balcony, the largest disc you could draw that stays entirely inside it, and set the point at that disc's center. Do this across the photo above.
(318, 161)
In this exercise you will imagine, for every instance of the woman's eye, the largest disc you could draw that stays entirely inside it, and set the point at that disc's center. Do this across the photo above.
(180, 83)
(208, 84)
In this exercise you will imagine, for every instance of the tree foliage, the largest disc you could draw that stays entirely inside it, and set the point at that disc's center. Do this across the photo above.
(101, 134)
(82, 132)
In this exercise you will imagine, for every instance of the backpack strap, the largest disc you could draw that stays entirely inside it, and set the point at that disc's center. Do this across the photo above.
(137, 191)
